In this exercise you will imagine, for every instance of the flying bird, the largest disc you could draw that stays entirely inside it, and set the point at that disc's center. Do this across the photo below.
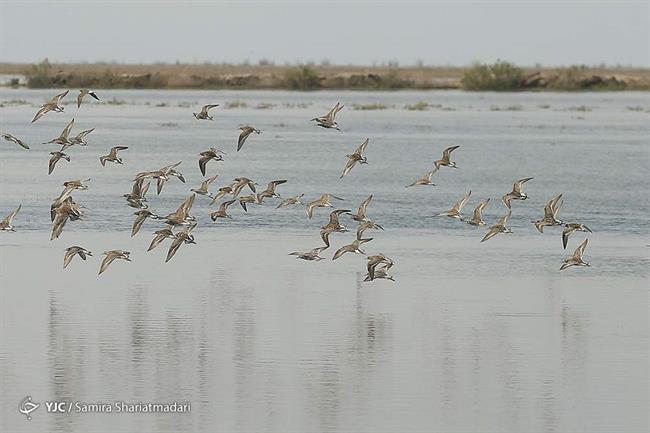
(477, 218)
(222, 212)
(203, 115)
(245, 132)
(551, 210)
(329, 120)
(311, 255)
(516, 193)
(576, 258)
(203, 189)
(141, 216)
(499, 227)
(207, 156)
(322, 201)
(112, 156)
(56, 156)
(6, 224)
(454, 212)
(14, 139)
(570, 228)
(424, 180)
(290, 201)
(180, 238)
(52, 105)
(112, 256)
(356, 157)
(84, 92)
(75, 250)
(445, 161)
(354, 247)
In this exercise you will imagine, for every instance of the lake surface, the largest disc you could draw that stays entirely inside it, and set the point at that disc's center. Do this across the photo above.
(470, 337)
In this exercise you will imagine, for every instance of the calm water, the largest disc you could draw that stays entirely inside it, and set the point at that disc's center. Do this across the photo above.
(471, 337)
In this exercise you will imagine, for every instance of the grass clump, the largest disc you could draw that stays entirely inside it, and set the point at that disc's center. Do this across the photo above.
(499, 76)
(369, 107)
(235, 104)
(418, 106)
(302, 78)
(506, 108)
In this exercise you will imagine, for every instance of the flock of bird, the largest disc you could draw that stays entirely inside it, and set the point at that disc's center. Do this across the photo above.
(179, 225)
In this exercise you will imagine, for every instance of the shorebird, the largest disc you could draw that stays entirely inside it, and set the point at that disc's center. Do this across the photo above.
(203, 189)
(551, 210)
(245, 132)
(69, 187)
(141, 215)
(477, 219)
(111, 256)
(68, 210)
(360, 216)
(222, 212)
(576, 258)
(328, 120)
(380, 273)
(368, 224)
(354, 247)
(227, 189)
(270, 189)
(180, 238)
(445, 161)
(311, 255)
(5, 224)
(62, 139)
(112, 156)
(322, 201)
(14, 139)
(203, 115)
(207, 156)
(182, 215)
(80, 138)
(454, 212)
(52, 105)
(334, 225)
(375, 261)
(162, 175)
(250, 199)
(516, 193)
(356, 157)
(70, 252)
(290, 201)
(240, 183)
(570, 228)
(424, 180)
(161, 235)
(499, 227)
(136, 198)
(56, 156)
(84, 92)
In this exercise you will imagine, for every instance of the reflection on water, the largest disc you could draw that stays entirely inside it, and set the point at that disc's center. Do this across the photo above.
(471, 337)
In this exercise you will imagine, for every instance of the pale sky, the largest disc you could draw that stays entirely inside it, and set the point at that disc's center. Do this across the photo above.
(353, 32)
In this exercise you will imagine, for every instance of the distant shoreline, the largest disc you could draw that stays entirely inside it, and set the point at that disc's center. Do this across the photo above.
(500, 76)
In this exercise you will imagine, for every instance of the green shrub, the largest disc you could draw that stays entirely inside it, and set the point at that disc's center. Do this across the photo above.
(302, 78)
(498, 76)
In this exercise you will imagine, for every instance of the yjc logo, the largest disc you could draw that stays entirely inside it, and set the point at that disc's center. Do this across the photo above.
(27, 406)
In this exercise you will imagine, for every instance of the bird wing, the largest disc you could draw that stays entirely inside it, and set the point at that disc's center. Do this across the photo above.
(80, 96)
(446, 154)
(139, 220)
(10, 217)
(55, 158)
(66, 131)
(348, 166)
(205, 108)
(58, 97)
(176, 244)
(246, 131)
(519, 184)
(110, 256)
(41, 112)
(362, 147)
(459, 206)
(203, 161)
(504, 219)
(581, 250)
